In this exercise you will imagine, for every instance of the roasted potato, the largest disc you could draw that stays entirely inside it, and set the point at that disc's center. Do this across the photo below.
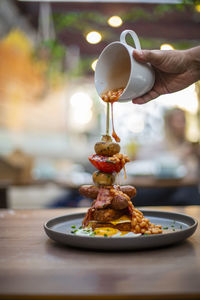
(101, 178)
(106, 148)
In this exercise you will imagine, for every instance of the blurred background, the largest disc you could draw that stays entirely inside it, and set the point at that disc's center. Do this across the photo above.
(51, 115)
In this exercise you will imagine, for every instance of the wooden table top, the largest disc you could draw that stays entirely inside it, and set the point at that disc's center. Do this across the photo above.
(33, 265)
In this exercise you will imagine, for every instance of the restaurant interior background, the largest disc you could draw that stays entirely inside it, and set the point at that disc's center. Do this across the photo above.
(51, 115)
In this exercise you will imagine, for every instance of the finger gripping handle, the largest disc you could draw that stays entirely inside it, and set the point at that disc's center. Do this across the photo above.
(134, 37)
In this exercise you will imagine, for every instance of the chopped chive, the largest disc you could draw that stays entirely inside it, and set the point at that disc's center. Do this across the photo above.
(108, 229)
(110, 161)
(165, 227)
(105, 235)
(80, 227)
(73, 226)
(172, 225)
(173, 229)
(74, 231)
(181, 226)
(145, 234)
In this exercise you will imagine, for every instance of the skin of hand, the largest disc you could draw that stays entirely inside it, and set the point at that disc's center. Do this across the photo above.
(174, 70)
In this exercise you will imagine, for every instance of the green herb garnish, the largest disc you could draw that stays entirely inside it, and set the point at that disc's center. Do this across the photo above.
(181, 226)
(80, 227)
(165, 227)
(108, 229)
(145, 234)
(73, 226)
(110, 161)
(173, 229)
(105, 235)
(74, 231)
(172, 225)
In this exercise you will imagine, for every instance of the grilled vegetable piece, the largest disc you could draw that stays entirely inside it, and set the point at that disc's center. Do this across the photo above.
(102, 163)
(106, 148)
(101, 178)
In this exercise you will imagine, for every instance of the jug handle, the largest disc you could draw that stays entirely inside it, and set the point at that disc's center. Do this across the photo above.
(134, 37)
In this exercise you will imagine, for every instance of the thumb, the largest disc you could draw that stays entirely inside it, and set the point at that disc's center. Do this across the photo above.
(152, 56)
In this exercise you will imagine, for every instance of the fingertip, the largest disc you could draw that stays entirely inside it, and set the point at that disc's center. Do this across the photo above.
(138, 54)
(138, 101)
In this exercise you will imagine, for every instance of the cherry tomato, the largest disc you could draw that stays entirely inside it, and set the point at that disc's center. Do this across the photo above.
(103, 164)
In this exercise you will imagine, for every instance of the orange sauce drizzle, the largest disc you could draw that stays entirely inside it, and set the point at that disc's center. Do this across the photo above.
(111, 97)
(125, 175)
(114, 135)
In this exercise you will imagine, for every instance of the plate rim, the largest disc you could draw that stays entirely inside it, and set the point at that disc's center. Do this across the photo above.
(152, 236)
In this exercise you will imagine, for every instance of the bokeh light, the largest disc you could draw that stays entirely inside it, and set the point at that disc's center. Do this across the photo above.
(166, 47)
(81, 109)
(93, 65)
(197, 8)
(93, 37)
(115, 21)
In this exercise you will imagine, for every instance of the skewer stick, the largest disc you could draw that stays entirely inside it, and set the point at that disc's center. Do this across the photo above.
(107, 118)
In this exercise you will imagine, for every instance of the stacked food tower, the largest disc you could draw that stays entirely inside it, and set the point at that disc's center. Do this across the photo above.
(112, 211)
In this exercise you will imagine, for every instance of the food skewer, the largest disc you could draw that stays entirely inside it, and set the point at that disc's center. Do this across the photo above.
(112, 211)
(107, 118)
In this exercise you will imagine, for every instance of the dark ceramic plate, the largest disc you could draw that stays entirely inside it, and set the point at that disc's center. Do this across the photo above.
(178, 227)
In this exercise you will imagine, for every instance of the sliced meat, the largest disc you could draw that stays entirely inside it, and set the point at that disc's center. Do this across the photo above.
(89, 191)
(106, 215)
(104, 199)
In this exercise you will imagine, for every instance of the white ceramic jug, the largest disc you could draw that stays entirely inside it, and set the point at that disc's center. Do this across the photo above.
(117, 68)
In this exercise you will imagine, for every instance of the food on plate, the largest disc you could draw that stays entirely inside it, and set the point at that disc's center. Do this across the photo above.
(91, 191)
(112, 213)
(114, 209)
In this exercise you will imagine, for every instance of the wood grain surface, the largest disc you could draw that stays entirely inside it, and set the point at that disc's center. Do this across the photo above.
(34, 267)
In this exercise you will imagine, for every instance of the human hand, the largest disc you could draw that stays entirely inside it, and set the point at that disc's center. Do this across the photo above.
(174, 70)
